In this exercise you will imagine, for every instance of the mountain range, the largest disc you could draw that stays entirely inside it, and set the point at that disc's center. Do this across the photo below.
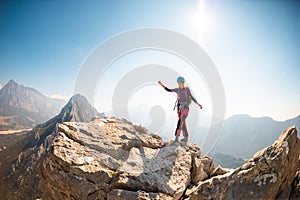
(243, 135)
(23, 107)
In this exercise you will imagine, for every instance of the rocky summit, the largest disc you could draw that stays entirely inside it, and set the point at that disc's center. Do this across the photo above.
(113, 159)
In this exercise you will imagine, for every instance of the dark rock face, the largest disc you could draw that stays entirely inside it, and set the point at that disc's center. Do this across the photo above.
(22, 107)
(268, 175)
(295, 193)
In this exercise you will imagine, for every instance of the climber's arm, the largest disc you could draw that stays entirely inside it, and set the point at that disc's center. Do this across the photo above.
(192, 97)
(169, 90)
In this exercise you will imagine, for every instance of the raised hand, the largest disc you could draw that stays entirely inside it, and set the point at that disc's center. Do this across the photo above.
(160, 83)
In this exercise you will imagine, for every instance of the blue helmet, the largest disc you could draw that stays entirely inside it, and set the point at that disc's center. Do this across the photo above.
(180, 79)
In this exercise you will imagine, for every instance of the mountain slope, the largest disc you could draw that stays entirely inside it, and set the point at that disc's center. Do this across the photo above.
(77, 109)
(23, 179)
(22, 107)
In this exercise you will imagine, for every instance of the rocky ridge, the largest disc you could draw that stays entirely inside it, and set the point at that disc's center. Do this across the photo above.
(114, 159)
(111, 158)
(268, 175)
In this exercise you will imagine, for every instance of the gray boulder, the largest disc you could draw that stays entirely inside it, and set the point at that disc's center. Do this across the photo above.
(268, 175)
(114, 159)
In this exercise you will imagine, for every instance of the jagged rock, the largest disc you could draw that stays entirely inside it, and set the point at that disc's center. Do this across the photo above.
(75, 174)
(23, 181)
(268, 175)
(202, 168)
(208, 164)
(114, 159)
(219, 171)
(165, 170)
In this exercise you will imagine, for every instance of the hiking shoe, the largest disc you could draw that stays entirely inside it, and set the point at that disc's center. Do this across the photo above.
(176, 139)
(184, 139)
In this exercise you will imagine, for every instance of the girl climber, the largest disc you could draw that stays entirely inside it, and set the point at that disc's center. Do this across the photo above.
(184, 98)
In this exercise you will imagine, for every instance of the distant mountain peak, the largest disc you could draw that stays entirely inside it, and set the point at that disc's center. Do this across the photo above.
(12, 82)
(76, 98)
(13, 85)
(13, 88)
(78, 109)
(23, 107)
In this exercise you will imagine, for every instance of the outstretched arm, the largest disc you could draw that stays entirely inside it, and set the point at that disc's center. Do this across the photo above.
(162, 85)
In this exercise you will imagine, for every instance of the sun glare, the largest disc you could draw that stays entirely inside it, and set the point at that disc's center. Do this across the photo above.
(201, 22)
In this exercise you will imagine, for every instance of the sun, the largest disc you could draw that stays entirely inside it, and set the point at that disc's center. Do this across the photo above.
(201, 21)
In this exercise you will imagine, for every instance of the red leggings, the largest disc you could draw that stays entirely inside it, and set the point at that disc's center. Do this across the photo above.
(181, 124)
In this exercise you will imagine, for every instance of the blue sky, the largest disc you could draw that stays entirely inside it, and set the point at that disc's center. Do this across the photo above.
(255, 45)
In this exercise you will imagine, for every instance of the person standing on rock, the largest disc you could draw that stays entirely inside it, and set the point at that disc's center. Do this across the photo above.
(184, 97)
